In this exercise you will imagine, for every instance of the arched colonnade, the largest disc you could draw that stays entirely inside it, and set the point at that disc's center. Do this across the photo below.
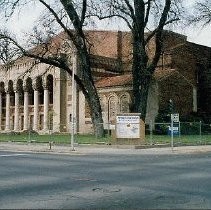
(25, 104)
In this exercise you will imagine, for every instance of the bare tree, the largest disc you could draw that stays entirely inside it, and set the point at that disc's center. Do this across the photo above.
(7, 52)
(201, 13)
(140, 16)
(70, 17)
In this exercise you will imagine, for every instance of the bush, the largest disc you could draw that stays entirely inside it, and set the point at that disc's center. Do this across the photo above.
(13, 133)
(161, 129)
(192, 117)
(163, 116)
(30, 131)
(206, 128)
(190, 128)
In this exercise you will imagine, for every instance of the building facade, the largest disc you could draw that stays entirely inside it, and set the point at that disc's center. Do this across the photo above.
(33, 99)
(39, 97)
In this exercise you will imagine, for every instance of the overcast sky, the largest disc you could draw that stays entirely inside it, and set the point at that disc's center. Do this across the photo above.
(197, 35)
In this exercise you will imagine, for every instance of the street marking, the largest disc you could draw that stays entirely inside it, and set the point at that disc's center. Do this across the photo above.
(14, 155)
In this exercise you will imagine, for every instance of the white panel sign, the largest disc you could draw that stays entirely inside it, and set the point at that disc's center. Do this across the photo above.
(128, 126)
(127, 119)
(175, 117)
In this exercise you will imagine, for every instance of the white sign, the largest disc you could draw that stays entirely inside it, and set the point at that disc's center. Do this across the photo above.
(175, 117)
(128, 126)
(127, 119)
(174, 128)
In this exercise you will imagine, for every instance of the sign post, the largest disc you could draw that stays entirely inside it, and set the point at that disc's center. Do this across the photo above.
(73, 103)
(174, 119)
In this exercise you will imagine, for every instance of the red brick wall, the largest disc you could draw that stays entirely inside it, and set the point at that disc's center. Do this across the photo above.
(103, 43)
(112, 44)
(118, 45)
(183, 59)
(178, 54)
(177, 89)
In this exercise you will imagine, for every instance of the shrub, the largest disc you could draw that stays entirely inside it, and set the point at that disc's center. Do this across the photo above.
(161, 129)
(190, 128)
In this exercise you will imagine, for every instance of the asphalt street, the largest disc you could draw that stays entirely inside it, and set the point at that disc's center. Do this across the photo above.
(105, 181)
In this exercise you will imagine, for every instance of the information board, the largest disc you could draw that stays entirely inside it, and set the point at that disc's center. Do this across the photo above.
(127, 126)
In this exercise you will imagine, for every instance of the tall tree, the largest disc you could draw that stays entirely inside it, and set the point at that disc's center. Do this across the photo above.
(140, 16)
(201, 13)
(70, 17)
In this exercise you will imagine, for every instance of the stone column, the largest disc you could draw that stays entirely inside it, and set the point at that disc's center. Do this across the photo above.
(16, 120)
(7, 125)
(46, 103)
(36, 109)
(0, 110)
(26, 110)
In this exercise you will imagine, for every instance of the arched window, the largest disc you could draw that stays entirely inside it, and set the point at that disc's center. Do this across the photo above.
(124, 103)
(112, 108)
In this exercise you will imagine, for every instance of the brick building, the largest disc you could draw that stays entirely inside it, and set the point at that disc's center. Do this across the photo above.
(41, 98)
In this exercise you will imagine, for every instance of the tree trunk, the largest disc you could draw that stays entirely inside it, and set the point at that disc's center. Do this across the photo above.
(96, 112)
(141, 76)
(96, 115)
(140, 95)
(79, 40)
(91, 94)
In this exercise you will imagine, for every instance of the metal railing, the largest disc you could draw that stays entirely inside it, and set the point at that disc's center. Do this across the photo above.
(189, 133)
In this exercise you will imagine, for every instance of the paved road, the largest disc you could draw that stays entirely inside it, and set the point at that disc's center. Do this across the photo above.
(105, 181)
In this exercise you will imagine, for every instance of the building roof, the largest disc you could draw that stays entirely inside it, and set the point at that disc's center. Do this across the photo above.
(126, 79)
(120, 80)
(161, 74)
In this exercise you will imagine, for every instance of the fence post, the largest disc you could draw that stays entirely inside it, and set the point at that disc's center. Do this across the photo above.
(179, 131)
(150, 128)
(172, 132)
(29, 134)
(200, 130)
(108, 130)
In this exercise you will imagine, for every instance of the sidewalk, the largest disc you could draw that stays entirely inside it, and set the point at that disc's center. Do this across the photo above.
(98, 149)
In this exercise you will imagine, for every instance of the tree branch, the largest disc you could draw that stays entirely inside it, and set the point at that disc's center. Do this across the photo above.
(132, 13)
(83, 13)
(158, 35)
(147, 13)
(58, 19)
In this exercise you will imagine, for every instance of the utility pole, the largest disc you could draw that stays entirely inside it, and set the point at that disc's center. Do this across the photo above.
(74, 64)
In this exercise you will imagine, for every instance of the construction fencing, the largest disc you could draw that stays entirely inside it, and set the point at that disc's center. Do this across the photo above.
(185, 133)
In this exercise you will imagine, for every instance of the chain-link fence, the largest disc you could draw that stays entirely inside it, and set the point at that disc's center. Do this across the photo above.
(60, 135)
(185, 133)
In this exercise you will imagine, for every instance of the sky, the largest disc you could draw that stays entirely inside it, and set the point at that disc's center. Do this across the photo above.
(198, 34)
(195, 34)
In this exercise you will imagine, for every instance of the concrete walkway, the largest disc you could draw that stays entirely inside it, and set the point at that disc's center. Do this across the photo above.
(98, 149)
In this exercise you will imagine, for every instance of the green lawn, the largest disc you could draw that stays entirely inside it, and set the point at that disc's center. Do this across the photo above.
(183, 139)
(58, 139)
(91, 139)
